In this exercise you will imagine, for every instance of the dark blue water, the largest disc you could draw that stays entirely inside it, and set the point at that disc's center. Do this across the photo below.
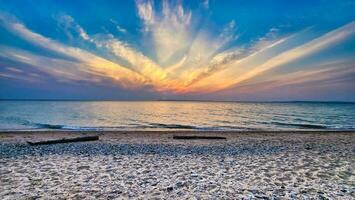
(171, 115)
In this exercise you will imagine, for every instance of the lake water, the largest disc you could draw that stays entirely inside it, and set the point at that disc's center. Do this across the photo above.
(174, 115)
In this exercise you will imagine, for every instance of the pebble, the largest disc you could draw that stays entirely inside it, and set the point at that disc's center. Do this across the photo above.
(175, 171)
(169, 189)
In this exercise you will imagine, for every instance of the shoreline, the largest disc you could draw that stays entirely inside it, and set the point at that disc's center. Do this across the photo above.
(166, 136)
(56, 131)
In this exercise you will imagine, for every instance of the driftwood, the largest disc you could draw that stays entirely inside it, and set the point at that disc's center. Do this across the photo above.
(65, 140)
(194, 137)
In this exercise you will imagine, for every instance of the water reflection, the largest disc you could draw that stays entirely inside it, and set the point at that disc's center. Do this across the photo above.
(169, 115)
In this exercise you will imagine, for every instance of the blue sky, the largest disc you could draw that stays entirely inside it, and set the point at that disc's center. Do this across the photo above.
(208, 50)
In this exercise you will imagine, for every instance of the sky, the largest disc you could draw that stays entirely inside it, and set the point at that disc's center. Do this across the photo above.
(236, 50)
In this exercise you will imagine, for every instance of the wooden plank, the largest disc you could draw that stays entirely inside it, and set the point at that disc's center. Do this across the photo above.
(195, 137)
(65, 140)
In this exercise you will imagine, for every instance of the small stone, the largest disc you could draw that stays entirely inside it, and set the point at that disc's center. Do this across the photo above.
(322, 197)
(254, 191)
(83, 167)
(169, 189)
(180, 184)
(293, 195)
(116, 192)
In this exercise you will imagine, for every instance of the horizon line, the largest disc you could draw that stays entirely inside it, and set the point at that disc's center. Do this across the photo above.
(183, 100)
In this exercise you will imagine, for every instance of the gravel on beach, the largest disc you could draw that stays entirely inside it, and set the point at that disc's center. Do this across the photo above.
(153, 166)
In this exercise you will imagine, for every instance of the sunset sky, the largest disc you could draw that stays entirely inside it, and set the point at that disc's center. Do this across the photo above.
(202, 50)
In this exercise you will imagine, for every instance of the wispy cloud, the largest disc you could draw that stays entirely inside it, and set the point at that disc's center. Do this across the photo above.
(230, 76)
(69, 25)
(321, 74)
(58, 69)
(186, 56)
(118, 27)
(88, 61)
(137, 61)
(17, 74)
(169, 29)
(229, 58)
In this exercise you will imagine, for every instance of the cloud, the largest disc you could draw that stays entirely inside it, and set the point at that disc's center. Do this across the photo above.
(179, 46)
(201, 53)
(170, 29)
(323, 83)
(20, 77)
(146, 13)
(185, 54)
(14, 70)
(230, 76)
(118, 27)
(69, 25)
(321, 74)
(64, 70)
(13, 73)
(89, 62)
(138, 62)
(228, 58)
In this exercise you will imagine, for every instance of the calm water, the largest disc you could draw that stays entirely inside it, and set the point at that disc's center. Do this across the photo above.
(160, 115)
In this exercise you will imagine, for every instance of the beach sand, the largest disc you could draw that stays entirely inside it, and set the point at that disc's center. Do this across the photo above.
(152, 165)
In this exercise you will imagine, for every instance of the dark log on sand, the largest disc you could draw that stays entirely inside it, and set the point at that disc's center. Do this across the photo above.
(66, 140)
(194, 137)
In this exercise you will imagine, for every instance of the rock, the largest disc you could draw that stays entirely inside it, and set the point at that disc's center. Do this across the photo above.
(293, 195)
(116, 192)
(130, 177)
(170, 188)
(180, 184)
(254, 191)
(322, 197)
(83, 167)
(260, 197)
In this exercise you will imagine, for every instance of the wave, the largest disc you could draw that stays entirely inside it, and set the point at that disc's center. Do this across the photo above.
(302, 126)
(49, 126)
(64, 127)
(138, 126)
(172, 126)
(23, 124)
(199, 128)
(151, 126)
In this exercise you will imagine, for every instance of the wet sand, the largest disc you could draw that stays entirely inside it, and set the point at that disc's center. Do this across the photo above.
(141, 165)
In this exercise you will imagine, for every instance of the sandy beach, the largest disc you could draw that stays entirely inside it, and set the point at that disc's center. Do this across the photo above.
(153, 165)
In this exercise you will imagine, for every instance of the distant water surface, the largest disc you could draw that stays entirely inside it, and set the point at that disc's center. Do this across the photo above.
(174, 115)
